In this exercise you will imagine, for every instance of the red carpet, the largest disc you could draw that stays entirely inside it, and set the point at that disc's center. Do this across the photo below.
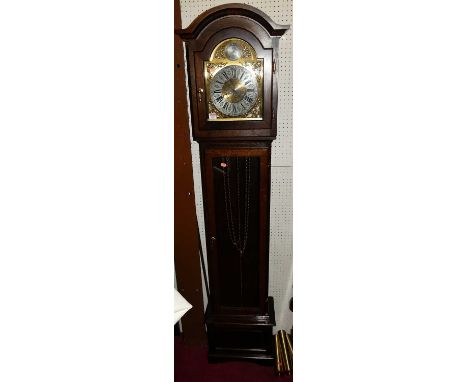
(191, 365)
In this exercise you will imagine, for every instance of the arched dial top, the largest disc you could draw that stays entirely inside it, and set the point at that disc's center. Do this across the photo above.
(234, 80)
(233, 49)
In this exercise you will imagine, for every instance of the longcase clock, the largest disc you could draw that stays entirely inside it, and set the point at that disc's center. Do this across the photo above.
(232, 56)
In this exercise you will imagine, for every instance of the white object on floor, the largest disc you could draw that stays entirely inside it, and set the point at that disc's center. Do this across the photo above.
(181, 306)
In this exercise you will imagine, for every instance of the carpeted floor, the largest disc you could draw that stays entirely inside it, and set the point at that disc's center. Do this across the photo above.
(191, 365)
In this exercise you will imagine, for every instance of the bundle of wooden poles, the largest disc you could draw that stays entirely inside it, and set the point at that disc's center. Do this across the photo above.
(283, 353)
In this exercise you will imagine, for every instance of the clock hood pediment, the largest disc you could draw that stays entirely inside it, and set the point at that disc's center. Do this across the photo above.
(228, 10)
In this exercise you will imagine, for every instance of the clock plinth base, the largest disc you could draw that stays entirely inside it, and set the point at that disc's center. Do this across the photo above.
(241, 337)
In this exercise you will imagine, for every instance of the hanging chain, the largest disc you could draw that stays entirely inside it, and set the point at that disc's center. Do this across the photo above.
(238, 202)
(239, 242)
(227, 201)
(247, 202)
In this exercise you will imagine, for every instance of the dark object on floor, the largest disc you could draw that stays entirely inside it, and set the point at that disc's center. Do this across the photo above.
(191, 365)
(291, 309)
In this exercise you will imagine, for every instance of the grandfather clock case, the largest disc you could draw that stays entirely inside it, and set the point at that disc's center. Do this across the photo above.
(232, 60)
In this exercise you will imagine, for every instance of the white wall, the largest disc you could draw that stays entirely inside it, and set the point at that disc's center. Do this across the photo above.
(281, 248)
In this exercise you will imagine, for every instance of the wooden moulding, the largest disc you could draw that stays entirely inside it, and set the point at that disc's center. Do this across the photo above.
(241, 338)
(232, 9)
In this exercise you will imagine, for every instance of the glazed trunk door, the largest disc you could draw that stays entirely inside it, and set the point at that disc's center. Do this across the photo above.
(236, 201)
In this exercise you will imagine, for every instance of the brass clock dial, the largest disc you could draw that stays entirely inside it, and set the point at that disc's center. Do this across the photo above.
(234, 90)
(234, 82)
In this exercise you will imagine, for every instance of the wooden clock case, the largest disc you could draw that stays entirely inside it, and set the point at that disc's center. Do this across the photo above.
(240, 315)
